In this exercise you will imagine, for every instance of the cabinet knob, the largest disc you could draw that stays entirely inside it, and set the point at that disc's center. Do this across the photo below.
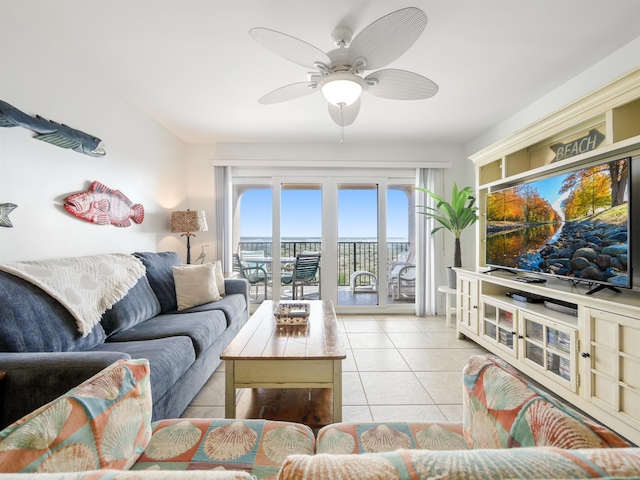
(513, 333)
(585, 355)
(520, 336)
(475, 306)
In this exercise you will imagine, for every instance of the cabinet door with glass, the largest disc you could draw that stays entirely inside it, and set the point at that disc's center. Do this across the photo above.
(550, 347)
(498, 325)
(467, 303)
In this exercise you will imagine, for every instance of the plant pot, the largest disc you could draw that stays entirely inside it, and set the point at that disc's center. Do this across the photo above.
(451, 278)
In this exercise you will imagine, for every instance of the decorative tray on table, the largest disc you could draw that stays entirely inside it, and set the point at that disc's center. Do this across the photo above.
(291, 313)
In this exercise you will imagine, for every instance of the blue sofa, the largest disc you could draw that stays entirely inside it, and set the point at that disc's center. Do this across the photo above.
(44, 355)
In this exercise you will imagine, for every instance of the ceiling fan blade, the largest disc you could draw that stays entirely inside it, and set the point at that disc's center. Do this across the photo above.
(388, 37)
(400, 85)
(289, 92)
(348, 114)
(289, 47)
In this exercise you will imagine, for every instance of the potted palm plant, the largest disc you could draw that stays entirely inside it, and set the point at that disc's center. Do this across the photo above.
(454, 216)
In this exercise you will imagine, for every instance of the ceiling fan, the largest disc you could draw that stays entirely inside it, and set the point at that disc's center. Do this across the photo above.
(339, 73)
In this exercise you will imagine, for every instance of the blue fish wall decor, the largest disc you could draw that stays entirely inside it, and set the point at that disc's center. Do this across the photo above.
(5, 210)
(51, 132)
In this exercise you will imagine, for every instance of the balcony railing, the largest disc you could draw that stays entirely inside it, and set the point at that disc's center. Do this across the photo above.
(352, 256)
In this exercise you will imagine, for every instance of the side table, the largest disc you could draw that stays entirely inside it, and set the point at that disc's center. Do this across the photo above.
(448, 293)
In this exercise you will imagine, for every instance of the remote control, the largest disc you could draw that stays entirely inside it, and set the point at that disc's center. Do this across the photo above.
(530, 280)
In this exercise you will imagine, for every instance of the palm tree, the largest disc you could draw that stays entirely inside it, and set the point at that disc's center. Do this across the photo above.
(454, 216)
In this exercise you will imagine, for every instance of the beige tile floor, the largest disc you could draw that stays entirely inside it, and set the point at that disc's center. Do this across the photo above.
(397, 368)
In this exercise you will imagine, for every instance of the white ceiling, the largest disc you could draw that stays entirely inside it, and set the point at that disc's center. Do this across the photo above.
(191, 65)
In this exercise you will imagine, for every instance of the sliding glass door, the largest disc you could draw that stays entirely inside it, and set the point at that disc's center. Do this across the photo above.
(358, 273)
(401, 270)
(252, 238)
(361, 227)
(300, 272)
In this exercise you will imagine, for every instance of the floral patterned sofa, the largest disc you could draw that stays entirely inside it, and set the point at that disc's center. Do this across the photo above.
(102, 429)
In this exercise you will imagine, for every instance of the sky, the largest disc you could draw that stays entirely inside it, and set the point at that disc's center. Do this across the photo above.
(549, 189)
(302, 210)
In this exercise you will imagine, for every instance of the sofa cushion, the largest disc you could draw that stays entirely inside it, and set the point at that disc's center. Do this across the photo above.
(33, 321)
(502, 410)
(236, 285)
(219, 277)
(255, 446)
(137, 306)
(195, 285)
(160, 276)
(365, 437)
(521, 463)
(232, 306)
(203, 328)
(105, 422)
(169, 359)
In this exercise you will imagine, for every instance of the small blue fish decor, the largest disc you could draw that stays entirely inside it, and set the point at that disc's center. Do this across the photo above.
(51, 132)
(5, 210)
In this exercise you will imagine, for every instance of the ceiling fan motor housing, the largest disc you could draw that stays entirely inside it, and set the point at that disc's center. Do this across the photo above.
(342, 36)
(339, 60)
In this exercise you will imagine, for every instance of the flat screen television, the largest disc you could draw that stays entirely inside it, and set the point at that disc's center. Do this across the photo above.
(572, 225)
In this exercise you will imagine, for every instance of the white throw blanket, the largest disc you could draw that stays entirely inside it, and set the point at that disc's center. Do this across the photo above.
(86, 286)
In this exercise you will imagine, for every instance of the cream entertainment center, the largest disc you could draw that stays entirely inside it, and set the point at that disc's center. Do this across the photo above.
(583, 345)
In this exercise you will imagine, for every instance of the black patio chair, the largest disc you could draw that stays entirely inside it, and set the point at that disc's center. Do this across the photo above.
(304, 273)
(255, 274)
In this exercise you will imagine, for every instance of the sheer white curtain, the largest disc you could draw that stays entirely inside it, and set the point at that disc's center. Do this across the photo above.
(425, 249)
(223, 217)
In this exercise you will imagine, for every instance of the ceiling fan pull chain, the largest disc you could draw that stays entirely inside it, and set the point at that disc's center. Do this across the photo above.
(341, 123)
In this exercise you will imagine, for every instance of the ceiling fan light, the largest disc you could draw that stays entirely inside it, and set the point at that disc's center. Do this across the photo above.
(341, 90)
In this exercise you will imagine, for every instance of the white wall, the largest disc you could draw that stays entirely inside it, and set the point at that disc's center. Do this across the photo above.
(144, 161)
(607, 70)
(200, 181)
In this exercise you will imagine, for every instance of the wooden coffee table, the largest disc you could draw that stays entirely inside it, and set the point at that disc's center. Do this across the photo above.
(268, 356)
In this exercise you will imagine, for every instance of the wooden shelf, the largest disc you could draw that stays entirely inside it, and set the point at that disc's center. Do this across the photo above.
(616, 103)
(613, 111)
(538, 309)
(313, 407)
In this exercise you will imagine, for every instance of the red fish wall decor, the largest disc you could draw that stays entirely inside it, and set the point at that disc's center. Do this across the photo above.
(104, 206)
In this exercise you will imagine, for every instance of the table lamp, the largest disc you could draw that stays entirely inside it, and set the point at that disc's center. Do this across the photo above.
(188, 221)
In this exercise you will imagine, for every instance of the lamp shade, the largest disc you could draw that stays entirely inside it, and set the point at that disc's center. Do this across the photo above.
(188, 221)
(341, 89)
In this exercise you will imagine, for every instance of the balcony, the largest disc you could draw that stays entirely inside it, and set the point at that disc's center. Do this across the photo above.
(353, 256)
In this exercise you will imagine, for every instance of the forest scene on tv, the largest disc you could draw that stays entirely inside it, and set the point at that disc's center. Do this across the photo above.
(570, 225)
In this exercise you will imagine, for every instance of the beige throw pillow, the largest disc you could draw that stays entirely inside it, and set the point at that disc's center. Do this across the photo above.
(219, 277)
(195, 285)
